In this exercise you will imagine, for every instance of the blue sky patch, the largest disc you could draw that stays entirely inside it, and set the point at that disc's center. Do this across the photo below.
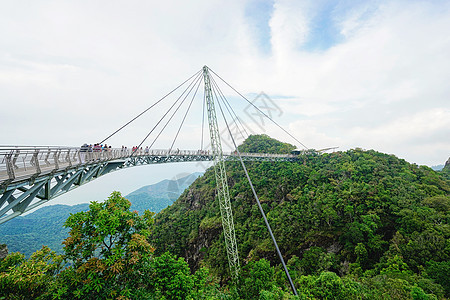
(323, 32)
(258, 14)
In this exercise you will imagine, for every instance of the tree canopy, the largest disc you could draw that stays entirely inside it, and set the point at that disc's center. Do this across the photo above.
(351, 225)
(351, 213)
(106, 256)
(262, 143)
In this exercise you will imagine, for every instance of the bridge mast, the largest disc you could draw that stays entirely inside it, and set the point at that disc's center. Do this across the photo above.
(221, 180)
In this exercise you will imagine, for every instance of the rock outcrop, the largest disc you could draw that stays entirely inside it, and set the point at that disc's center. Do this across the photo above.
(3, 251)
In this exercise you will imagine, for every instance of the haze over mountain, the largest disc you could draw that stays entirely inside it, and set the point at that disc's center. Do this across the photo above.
(437, 167)
(156, 197)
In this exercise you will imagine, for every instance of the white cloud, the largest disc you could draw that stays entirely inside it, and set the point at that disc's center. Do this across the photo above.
(422, 134)
(72, 72)
(288, 27)
(392, 67)
(406, 129)
(312, 134)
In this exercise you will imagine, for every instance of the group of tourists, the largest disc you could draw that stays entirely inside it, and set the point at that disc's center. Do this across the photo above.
(95, 148)
(90, 152)
(138, 150)
(93, 152)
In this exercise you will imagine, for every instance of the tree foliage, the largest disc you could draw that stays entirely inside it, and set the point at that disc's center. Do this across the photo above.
(262, 143)
(351, 225)
(344, 212)
(22, 278)
(106, 256)
(109, 249)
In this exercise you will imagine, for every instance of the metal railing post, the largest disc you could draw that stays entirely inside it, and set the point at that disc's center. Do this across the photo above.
(68, 158)
(56, 158)
(35, 160)
(9, 166)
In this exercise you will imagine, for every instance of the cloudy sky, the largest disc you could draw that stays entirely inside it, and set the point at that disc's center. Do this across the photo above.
(369, 74)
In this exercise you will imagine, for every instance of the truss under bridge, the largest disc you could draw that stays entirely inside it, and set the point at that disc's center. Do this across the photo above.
(31, 176)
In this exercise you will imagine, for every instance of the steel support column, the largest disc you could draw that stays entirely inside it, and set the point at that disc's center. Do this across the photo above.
(221, 180)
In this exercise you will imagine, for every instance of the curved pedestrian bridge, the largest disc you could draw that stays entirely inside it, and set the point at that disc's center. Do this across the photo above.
(31, 176)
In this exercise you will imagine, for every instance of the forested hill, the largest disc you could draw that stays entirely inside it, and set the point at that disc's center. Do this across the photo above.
(369, 217)
(446, 170)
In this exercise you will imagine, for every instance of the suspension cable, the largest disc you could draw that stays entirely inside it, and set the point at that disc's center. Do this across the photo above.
(259, 204)
(143, 112)
(184, 118)
(203, 119)
(227, 103)
(218, 101)
(160, 120)
(279, 126)
(176, 110)
(233, 117)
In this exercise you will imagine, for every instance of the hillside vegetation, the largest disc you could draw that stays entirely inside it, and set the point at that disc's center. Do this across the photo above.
(106, 256)
(365, 216)
(351, 225)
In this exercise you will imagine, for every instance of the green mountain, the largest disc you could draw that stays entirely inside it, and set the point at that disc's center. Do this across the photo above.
(158, 196)
(377, 221)
(28, 233)
(43, 227)
(446, 170)
(351, 225)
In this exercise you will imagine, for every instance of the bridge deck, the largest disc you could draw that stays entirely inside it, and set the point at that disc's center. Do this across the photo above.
(30, 177)
(21, 164)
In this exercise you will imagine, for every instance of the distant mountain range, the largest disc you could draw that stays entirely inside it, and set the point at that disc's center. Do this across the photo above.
(158, 196)
(438, 167)
(45, 226)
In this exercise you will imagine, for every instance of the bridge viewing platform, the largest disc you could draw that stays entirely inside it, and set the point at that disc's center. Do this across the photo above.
(30, 163)
(31, 176)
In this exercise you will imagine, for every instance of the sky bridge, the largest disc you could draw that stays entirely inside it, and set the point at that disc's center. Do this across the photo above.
(31, 176)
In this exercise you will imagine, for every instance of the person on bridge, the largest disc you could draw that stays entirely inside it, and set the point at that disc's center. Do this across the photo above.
(84, 148)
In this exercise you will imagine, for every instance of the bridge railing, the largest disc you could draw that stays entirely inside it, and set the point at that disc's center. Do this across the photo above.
(24, 162)
(18, 163)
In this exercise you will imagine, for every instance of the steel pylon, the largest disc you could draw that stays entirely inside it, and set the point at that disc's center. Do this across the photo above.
(221, 180)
